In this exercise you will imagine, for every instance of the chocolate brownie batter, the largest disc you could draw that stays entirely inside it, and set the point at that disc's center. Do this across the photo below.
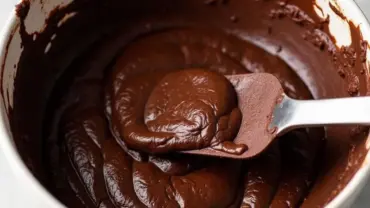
(185, 110)
(140, 80)
(156, 102)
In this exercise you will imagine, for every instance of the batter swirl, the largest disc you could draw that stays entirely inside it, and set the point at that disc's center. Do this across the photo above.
(166, 93)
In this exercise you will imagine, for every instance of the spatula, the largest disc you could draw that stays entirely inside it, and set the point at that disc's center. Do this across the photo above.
(268, 112)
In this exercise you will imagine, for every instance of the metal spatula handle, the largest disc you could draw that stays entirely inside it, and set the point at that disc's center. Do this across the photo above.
(291, 113)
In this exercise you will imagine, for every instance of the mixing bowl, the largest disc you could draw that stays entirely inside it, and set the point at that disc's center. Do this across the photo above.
(40, 21)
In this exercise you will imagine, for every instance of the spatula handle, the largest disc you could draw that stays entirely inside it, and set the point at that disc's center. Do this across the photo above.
(291, 113)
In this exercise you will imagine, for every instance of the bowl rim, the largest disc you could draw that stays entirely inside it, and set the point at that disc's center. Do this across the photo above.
(22, 173)
(360, 178)
(13, 159)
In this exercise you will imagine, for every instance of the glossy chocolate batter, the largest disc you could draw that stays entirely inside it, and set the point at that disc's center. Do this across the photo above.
(130, 94)
(156, 102)
(185, 110)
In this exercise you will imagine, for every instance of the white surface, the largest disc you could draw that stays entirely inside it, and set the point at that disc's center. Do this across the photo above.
(10, 196)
